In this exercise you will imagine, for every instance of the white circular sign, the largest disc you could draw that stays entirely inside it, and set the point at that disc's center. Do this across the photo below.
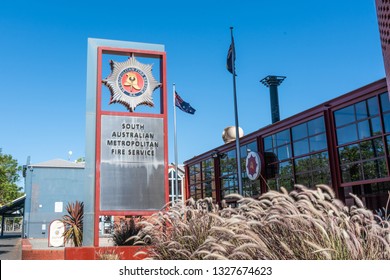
(253, 165)
(56, 232)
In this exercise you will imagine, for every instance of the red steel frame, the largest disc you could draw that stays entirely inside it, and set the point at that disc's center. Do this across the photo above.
(99, 113)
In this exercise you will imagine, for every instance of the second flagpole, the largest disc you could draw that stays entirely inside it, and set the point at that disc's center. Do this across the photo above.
(238, 152)
(176, 192)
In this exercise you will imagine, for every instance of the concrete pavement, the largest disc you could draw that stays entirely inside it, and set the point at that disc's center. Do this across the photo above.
(11, 247)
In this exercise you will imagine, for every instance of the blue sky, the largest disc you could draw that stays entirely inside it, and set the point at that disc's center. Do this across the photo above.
(325, 48)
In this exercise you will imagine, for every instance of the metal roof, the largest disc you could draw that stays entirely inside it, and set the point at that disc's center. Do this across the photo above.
(59, 163)
(13, 206)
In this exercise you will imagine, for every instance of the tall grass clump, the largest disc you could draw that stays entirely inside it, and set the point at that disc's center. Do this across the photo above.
(109, 255)
(384, 212)
(303, 224)
(125, 231)
(178, 232)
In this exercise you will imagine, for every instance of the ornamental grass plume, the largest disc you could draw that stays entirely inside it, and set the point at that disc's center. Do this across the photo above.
(108, 254)
(126, 230)
(304, 224)
(179, 232)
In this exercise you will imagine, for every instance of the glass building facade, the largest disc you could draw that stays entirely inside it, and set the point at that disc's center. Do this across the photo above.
(343, 143)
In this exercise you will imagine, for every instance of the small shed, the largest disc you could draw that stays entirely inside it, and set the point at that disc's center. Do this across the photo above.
(11, 210)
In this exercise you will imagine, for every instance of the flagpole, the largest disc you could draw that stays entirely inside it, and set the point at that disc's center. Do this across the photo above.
(238, 153)
(176, 193)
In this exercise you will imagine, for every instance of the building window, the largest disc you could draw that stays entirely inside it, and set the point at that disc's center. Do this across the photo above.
(202, 180)
(304, 160)
(208, 183)
(365, 159)
(385, 105)
(229, 182)
(172, 183)
(345, 116)
(278, 157)
(374, 195)
(311, 160)
(312, 170)
(358, 121)
(359, 141)
(195, 181)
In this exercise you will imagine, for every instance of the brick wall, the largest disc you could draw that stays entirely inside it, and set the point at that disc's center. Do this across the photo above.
(28, 253)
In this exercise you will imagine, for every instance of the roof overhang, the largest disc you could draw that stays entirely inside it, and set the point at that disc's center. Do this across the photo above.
(10, 208)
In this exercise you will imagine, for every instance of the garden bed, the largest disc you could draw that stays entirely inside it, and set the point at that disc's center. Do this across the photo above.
(94, 253)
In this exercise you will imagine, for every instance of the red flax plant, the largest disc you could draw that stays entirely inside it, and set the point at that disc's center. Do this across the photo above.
(74, 223)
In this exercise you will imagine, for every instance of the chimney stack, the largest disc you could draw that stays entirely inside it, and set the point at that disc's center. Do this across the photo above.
(273, 82)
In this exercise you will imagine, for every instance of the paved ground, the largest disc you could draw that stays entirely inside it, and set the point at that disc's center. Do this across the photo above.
(10, 247)
(42, 243)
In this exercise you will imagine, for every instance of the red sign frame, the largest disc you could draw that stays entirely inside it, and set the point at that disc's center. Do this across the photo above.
(99, 113)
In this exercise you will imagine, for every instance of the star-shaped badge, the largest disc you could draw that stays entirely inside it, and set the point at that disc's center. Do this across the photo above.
(131, 83)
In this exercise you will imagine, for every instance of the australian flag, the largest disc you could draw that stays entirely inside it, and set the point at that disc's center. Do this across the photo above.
(231, 57)
(182, 105)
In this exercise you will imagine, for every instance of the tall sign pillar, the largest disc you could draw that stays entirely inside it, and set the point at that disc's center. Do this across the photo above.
(126, 132)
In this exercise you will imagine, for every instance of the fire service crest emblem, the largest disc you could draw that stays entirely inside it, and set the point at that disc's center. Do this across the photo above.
(253, 165)
(131, 83)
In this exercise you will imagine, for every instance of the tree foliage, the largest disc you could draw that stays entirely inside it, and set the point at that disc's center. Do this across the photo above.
(9, 176)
